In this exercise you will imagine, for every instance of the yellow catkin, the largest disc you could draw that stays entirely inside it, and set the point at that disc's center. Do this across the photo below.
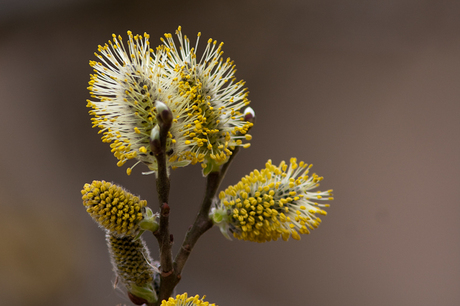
(113, 208)
(185, 300)
(274, 202)
(218, 123)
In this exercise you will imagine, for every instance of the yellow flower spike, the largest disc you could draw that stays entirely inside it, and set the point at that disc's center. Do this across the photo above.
(277, 199)
(185, 300)
(111, 206)
(216, 99)
(127, 83)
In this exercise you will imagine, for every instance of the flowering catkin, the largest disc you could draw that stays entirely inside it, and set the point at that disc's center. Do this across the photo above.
(113, 208)
(272, 203)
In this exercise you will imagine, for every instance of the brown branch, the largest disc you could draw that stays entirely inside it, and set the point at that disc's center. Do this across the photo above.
(158, 146)
(202, 221)
(167, 276)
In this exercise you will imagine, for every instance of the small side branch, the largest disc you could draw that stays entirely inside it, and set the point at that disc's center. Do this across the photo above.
(202, 221)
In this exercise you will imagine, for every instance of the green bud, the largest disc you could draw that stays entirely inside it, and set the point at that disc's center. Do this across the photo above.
(149, 222)
(220, 217)
(211, 166)
(146, 293)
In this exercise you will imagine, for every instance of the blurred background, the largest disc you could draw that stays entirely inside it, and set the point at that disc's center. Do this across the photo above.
(367, 91)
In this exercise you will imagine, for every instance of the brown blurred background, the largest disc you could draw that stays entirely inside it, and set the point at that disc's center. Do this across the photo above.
(367, 91)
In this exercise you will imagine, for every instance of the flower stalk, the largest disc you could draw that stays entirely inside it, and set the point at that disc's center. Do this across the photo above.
(202, 223)
(163, 185)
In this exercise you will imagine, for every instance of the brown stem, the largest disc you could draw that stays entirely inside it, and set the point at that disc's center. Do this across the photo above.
(167, 277)
(171, 277)
(201, 225)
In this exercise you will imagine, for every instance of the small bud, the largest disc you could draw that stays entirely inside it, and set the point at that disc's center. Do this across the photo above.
(211, 166)
(249, 115)
(149, 222)
(164, 113)
(165, 209)
(220, 218)
(142, 295)
(137, 300)
(155, 144)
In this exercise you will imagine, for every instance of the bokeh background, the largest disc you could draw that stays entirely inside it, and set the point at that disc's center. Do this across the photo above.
(367, 91)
